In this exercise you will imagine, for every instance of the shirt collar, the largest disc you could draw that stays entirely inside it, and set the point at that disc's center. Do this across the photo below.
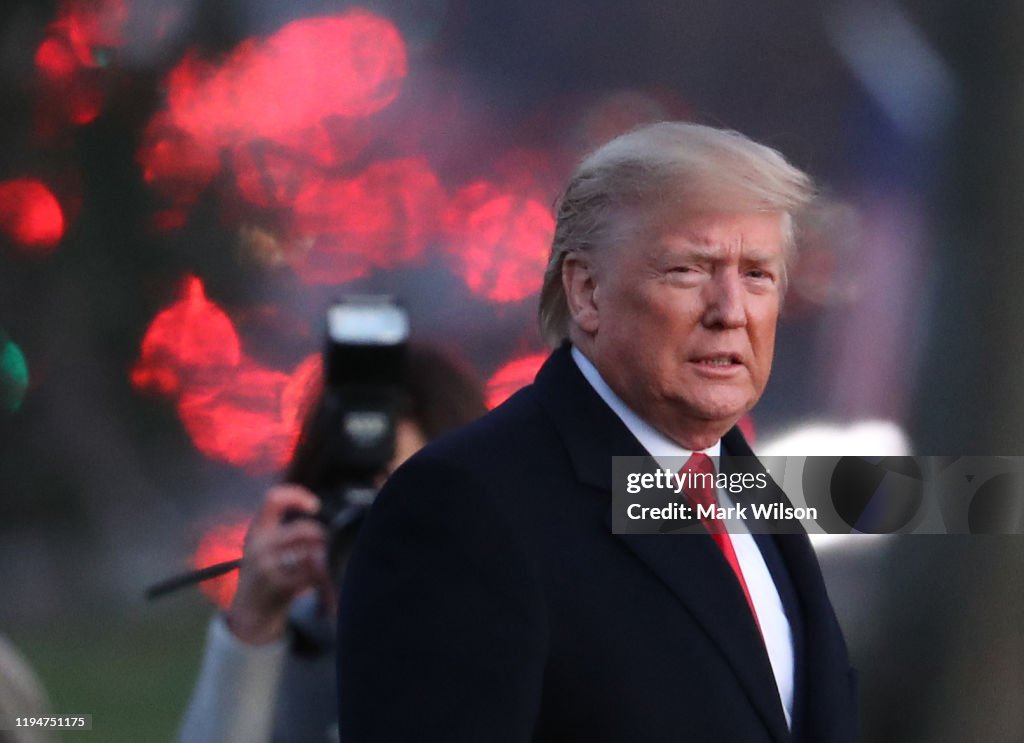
(657, 444)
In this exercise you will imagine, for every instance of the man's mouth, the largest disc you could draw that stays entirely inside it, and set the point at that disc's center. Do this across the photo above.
(717, 361)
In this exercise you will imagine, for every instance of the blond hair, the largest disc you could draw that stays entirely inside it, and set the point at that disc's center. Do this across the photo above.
(669, 168)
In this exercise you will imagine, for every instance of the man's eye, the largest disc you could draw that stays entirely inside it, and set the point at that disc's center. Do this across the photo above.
(757, 273)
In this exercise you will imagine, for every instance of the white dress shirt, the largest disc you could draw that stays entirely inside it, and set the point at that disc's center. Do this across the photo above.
(771, 615)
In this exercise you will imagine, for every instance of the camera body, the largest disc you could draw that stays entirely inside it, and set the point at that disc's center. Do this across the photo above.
(348, 439)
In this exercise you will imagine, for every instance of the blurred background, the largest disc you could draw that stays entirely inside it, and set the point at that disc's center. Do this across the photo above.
(185, 186)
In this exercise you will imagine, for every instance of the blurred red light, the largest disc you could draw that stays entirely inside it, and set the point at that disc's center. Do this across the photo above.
(220, 544)
(168, 220)
(249, 416)
(270, 177)
(290, 109)
(346, 65)
(85, 102)
(90, 25)
(186, 343)
(30, 214)
(175, 163)
(380, 218)
(237, 418)
(233, 409)
(78, 43)
(512, 377)
(55, 59)
(498, 241)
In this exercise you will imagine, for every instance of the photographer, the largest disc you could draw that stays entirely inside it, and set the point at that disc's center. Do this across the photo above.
(268, 673)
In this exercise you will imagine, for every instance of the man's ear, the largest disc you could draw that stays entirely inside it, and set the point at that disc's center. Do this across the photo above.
(579, 279)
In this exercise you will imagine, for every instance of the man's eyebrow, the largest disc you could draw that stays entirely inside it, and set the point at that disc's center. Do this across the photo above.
(696, 253)
(710, 252)
(757, 256)
(692, 247)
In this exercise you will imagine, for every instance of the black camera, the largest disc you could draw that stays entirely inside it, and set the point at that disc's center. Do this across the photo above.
(348, 439)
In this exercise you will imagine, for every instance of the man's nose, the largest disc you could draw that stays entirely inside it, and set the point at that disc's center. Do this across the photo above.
(724, 306)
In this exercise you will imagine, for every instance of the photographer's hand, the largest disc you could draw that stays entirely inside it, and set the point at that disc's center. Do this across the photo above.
(279, 561)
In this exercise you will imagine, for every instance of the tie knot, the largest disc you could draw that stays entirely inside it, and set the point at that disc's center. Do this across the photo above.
(700, 462)
(699, 479)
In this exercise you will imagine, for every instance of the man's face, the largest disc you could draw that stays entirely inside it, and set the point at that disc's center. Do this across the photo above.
(681, 320)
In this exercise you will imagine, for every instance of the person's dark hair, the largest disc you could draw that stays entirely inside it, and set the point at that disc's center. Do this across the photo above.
(441, 393)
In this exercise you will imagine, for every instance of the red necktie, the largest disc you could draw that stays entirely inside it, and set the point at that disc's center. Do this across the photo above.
(701, 491)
